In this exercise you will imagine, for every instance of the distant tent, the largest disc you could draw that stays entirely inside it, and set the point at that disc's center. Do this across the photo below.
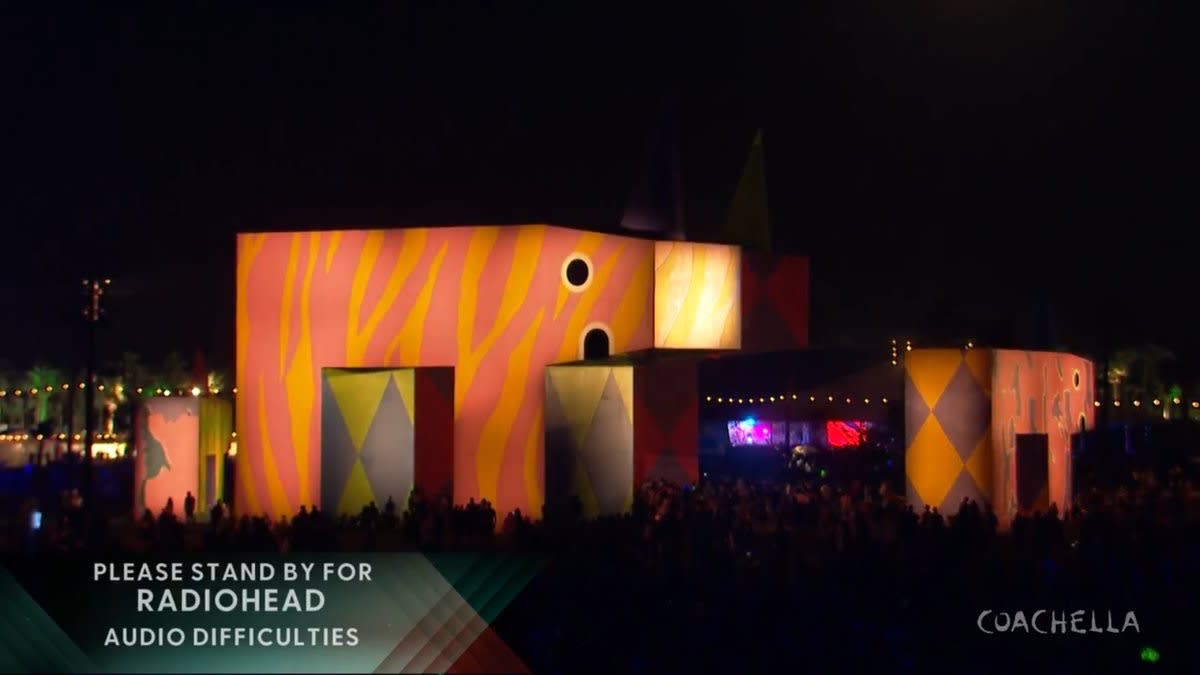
(656, 203)
(749, 222)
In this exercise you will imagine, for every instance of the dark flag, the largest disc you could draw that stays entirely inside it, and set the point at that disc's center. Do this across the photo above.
(656, 203)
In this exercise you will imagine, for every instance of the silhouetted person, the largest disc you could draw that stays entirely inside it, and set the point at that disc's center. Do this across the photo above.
(189, 507)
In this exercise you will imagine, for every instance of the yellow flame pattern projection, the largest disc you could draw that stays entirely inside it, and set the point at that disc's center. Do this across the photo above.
(697, 302)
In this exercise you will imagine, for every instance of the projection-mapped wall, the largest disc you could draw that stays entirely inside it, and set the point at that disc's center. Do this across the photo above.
(180, 449)
(496, 303)
(964, 411)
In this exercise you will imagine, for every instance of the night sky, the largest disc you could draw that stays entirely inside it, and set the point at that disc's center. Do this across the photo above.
(950, 167)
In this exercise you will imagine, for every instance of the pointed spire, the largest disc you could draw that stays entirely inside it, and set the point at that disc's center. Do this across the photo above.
(749, 222)
(656, 203)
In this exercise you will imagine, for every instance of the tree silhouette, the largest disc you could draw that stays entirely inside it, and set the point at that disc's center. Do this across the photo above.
(40, 377)
(173, 371)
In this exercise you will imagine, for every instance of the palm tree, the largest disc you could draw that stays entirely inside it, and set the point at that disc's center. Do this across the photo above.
(40, 377)
(216, 381)
(133, 372)
(6, 404)
(174, 371)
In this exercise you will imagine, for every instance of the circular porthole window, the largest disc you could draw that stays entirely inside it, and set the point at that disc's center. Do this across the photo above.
(577, 272)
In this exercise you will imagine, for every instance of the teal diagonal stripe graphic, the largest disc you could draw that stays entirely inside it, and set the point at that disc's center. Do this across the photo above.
(487, 582)
(30, 641)
(467, 592)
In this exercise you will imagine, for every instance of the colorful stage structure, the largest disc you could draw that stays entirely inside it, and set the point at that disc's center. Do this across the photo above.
(181, 445)
(995, 426)
(499, 305)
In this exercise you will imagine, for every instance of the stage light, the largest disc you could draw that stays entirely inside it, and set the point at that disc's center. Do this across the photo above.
(760, 400)
(707, 398)
(793, 397)
(82, 385)
(167, 392)
(235, 390)
(812, 399)
(885, 400)
(195, 391)
(100, 387)
(772, 399)
(1096, 403)
(33, 392)
(66, 386)
(1137, 404)
(740, 401)
(139, 390)
(1117, 404)
(831, 399)
(866, 400)
(1175, 401)
(1157, 402)
(719, 400)
(1196, 404)
(847, 400)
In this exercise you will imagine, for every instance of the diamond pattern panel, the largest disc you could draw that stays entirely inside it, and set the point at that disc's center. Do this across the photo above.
(337, 451)
(915, 411)
(387, 453)
(964, 487)
(931, 370)
(963, 411)
(931, 463)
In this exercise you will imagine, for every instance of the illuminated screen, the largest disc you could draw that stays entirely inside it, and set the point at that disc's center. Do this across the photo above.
(749, 432)
(845, 434)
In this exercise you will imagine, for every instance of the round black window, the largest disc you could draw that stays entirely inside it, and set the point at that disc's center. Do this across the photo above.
(1076, 379)
(595, 345)
(577, 272)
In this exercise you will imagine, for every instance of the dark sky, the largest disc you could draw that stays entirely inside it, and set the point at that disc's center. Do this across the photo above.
(949, 166)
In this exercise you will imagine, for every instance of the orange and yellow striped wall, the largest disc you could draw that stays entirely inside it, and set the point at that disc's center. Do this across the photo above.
(498, 304)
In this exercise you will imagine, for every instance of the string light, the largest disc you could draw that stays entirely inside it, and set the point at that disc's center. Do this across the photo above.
(783, 398)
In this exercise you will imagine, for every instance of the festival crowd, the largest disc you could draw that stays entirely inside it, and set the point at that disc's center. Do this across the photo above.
(748, 578)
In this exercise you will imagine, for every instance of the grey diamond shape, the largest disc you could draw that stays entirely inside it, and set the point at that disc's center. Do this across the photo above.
(964, 412)
(964, 487)
(561, 453)
(337, 451)
(607, 453)
(387, 452)
(915, 411)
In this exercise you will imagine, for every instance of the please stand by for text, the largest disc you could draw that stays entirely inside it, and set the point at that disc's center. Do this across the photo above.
(242, 600)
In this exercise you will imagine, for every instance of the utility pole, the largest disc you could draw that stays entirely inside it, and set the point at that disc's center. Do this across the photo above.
(92, 311)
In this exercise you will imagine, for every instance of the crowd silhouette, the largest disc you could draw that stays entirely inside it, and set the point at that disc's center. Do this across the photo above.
(741, 576)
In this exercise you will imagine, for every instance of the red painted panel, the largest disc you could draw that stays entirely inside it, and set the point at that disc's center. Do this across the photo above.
(433, 431)
(666, 422)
